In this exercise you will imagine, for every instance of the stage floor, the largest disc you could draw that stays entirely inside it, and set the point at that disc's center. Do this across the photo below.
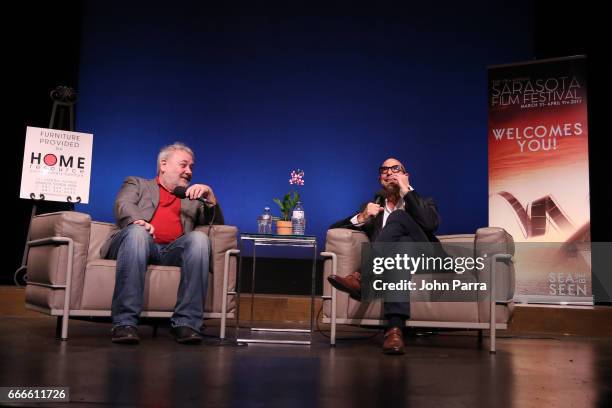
(443, 370)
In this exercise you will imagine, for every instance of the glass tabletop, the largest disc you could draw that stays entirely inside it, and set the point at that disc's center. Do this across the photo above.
(255, 235)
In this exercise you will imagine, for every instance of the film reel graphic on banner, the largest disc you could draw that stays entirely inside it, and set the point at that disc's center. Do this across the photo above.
(533, 218)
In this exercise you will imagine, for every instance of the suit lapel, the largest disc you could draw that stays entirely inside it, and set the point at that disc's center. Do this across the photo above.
(378, 222)
(185, 203)
(154, 190)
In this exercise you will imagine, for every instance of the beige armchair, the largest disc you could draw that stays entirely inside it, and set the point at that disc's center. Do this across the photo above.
(67, 277)
(343, 256)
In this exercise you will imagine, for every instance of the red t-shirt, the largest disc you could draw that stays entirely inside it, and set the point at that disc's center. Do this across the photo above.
(167, 217)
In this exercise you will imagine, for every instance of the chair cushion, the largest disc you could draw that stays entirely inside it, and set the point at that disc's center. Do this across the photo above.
(161, 286)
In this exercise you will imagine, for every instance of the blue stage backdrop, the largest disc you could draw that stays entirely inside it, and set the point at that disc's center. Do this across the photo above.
(256, 97)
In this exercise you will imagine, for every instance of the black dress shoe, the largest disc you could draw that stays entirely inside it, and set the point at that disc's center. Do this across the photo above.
(125, 335)
(186, 335)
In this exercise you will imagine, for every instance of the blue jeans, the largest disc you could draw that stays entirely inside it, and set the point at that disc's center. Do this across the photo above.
(134, 248)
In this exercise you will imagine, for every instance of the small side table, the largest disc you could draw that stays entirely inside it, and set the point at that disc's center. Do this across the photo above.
(304, 241)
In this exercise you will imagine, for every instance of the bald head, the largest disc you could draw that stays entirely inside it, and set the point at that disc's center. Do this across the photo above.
(388, 172)
(392, 161)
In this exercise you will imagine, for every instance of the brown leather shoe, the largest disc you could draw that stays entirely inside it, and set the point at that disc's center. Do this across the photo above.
(394, 341)
(350, 284)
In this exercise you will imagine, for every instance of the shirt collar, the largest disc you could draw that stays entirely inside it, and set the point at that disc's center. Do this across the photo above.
(160, 184)
(400, 205)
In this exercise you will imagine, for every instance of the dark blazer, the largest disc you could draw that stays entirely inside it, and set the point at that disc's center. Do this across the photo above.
(138, 199)
(422, 210)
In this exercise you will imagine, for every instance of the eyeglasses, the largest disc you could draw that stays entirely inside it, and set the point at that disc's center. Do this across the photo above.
(394, 169)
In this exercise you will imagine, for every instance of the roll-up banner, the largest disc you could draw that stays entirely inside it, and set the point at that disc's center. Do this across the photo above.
(539, 175)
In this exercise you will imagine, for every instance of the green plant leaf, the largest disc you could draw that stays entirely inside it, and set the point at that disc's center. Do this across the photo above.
(287, 204)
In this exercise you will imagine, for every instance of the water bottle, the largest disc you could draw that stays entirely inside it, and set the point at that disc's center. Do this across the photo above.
(298, 219)
(264, 222)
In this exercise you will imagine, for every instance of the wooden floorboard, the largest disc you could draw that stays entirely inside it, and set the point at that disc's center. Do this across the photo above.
(590, 321)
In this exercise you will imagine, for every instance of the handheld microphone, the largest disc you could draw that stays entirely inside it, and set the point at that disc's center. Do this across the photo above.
(179, 191)
(379, 199)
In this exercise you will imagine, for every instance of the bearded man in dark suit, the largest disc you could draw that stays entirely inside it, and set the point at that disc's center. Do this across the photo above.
(398, 214)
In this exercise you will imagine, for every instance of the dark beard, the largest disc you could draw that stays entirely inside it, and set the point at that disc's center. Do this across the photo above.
(392, 191)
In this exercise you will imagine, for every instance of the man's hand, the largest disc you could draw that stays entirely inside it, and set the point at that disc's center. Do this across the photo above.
(403, 182)
(371, 210)
(147, 226)
(196, 191)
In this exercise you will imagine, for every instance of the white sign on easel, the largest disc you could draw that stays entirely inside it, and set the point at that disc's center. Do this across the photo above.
(56, 165)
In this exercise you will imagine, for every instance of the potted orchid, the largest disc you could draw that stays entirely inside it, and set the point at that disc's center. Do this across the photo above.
(283, 224)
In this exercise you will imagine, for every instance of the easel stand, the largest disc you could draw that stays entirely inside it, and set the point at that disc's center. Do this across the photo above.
(64, 98)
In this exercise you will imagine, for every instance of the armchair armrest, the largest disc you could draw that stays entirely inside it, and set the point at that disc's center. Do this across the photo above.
(346, 244)
(342, 247)
(491, 241)
(48, 263)
(222, 238)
